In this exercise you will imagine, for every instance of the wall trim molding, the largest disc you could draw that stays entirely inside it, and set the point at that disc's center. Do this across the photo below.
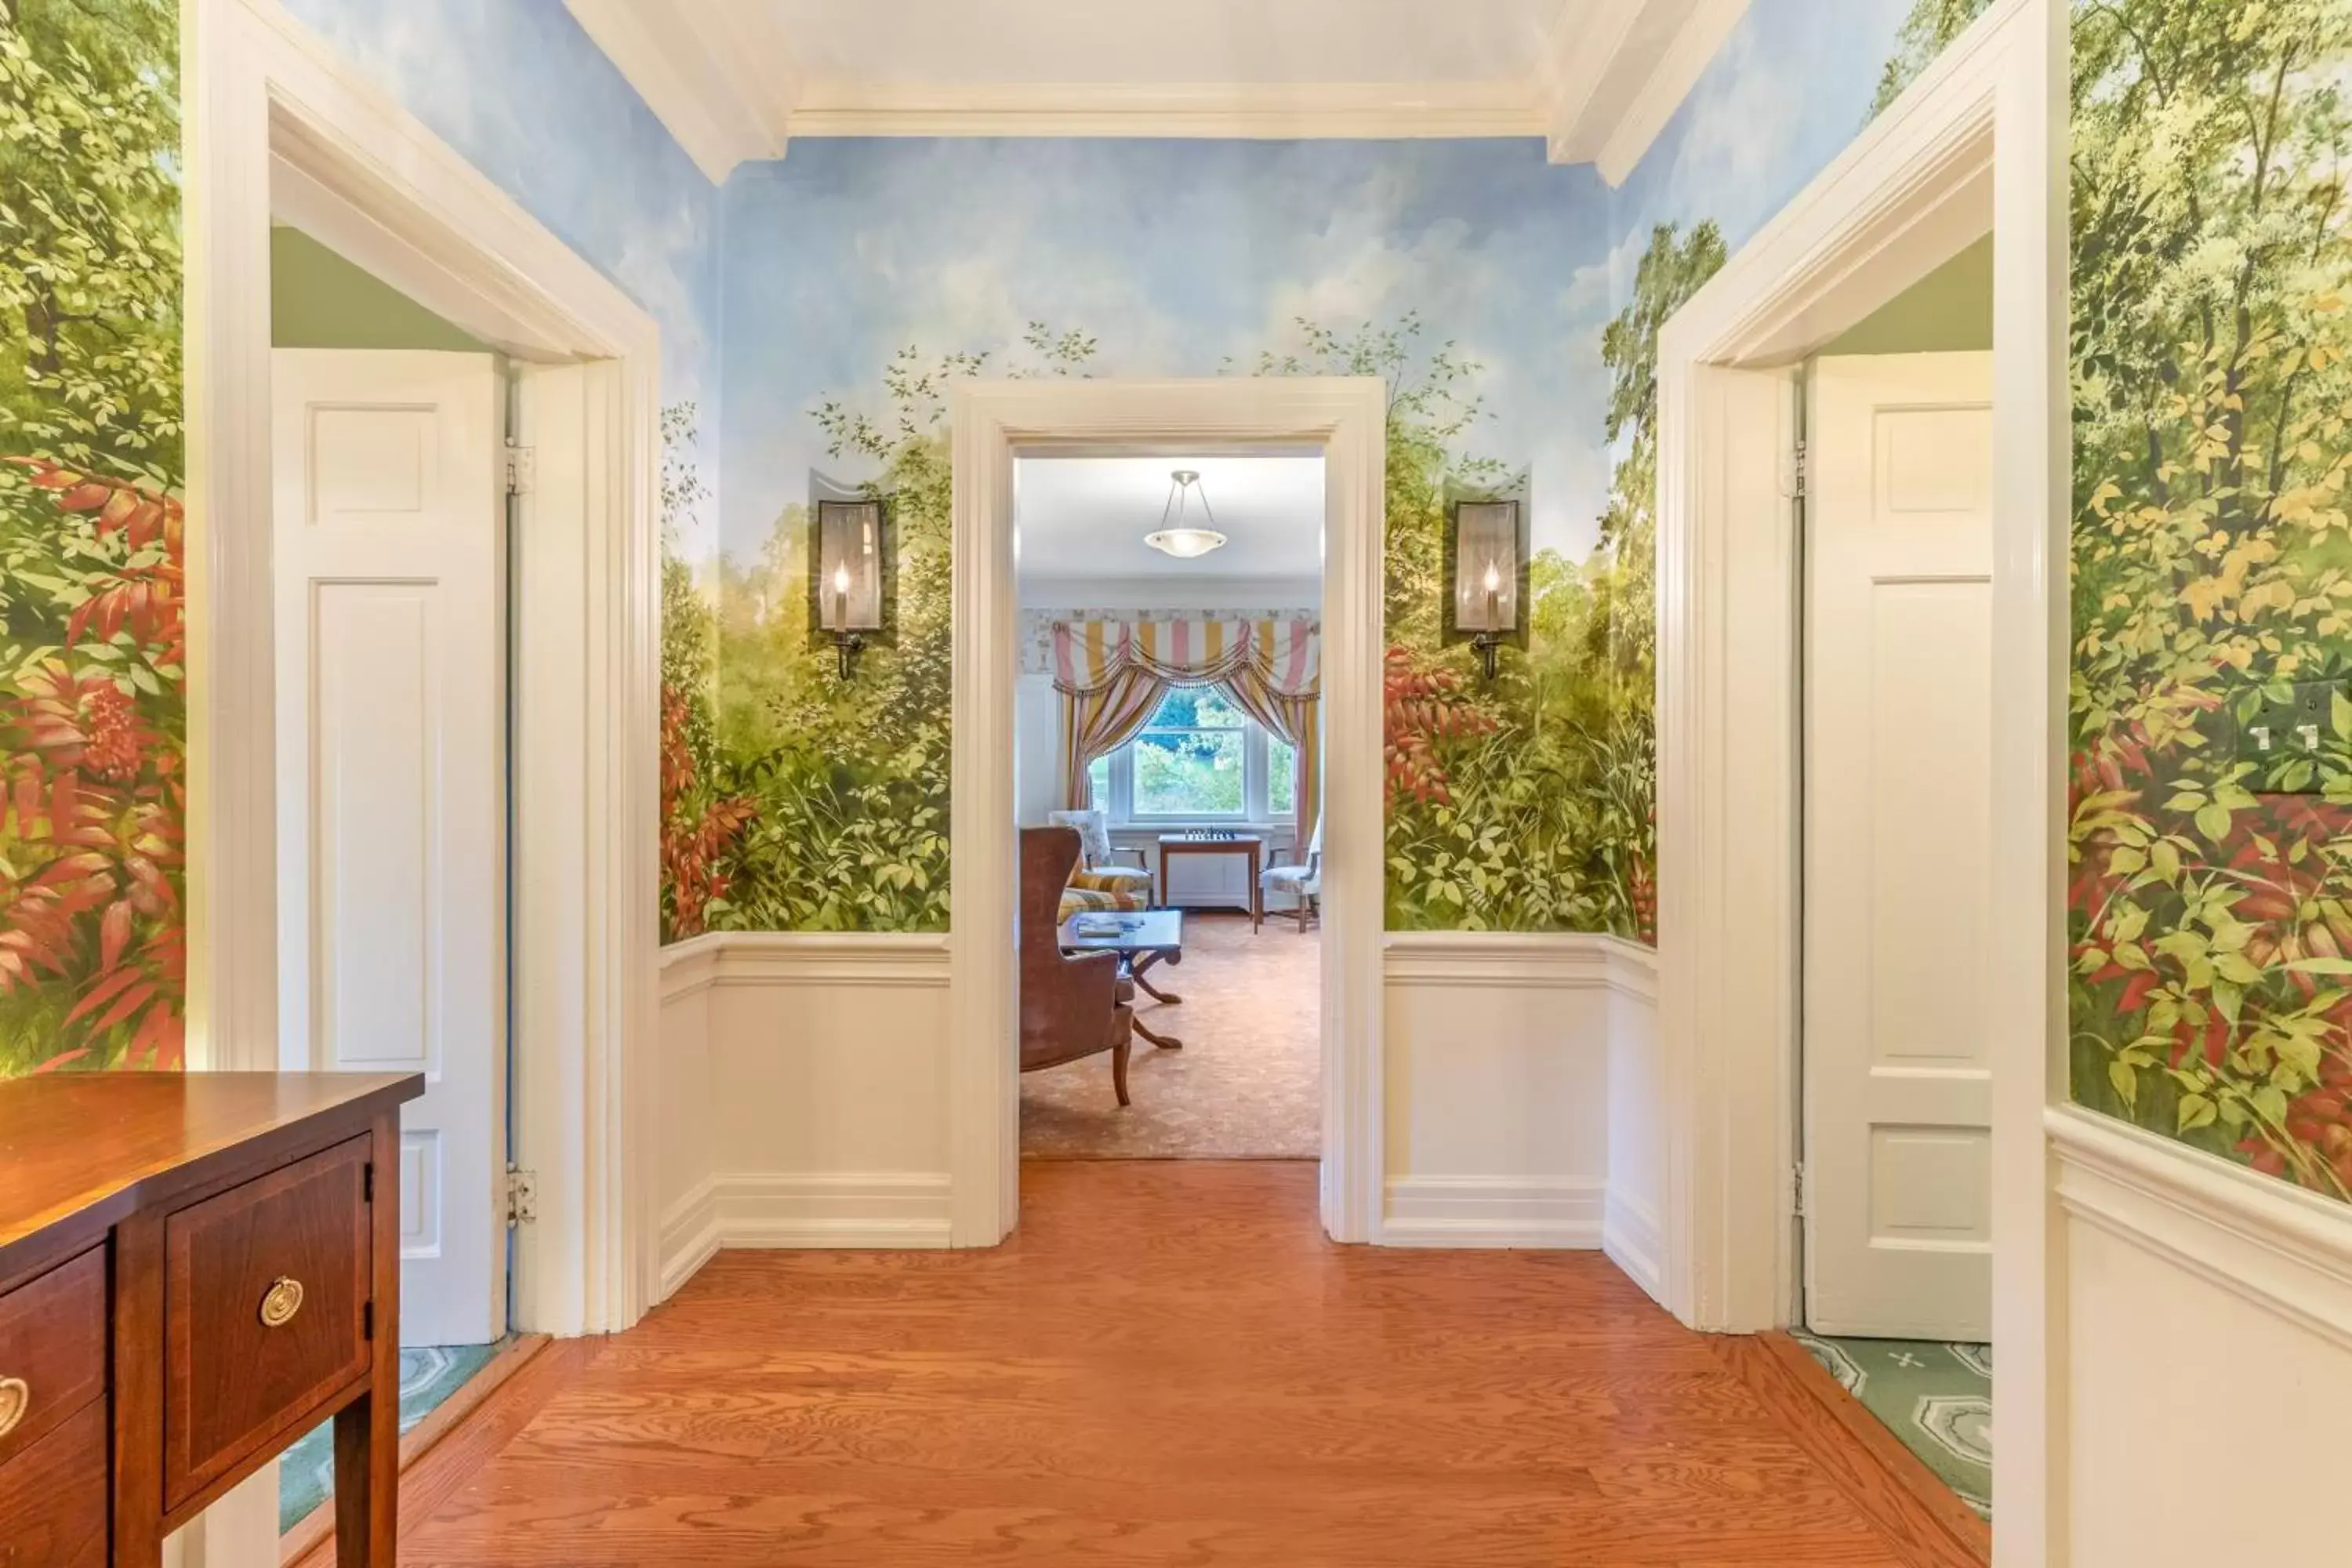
(1558, 1211)
(1564, 960)
(1630, 1236)
(724, 79)
(818, 1210)
(2287, 1251)
(803, 958)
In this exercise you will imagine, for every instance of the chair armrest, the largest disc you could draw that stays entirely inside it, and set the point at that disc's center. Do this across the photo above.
(1142, 855)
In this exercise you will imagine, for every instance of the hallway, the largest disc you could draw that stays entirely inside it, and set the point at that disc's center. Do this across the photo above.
(1167, 1364)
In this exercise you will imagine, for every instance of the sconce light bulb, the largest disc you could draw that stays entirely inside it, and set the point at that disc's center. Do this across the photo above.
(841, 577)
(1493, 578)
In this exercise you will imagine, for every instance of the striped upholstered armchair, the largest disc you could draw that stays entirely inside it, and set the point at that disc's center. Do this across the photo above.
(1096, 884)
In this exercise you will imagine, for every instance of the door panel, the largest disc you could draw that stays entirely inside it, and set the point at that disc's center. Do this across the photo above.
(390, 554)
(1898, 840)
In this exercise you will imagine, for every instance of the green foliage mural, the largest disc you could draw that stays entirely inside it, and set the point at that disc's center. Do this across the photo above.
(2211, 903)
(92, 700)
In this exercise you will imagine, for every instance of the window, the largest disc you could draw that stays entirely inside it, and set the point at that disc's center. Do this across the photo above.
(1199, 759)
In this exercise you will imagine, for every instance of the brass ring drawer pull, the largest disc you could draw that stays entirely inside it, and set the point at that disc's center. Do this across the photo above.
(284, 1299)
(16, 1399)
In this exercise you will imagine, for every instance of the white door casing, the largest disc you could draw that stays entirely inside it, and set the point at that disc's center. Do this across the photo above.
(390, 561)
(1898, 894)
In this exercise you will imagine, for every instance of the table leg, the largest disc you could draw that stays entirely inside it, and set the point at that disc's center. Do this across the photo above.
(1257, 894)
(1144, 961)
(1134, 969)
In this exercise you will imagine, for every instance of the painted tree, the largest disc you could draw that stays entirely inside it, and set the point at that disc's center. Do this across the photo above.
(1931, 26)
(93, 709)
(2211, 898)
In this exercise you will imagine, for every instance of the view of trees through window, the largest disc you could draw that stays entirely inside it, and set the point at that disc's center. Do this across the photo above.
(1188, 760)
(1198, 759)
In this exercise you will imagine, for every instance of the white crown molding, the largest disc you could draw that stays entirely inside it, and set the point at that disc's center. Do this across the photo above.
(2285, 1250)
(1670, 82)
(720, 74)
(1206, 110)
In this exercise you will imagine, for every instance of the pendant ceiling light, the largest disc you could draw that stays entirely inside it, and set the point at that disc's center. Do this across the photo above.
(1177, 535)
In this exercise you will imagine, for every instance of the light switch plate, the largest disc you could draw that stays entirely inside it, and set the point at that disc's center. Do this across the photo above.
(2286, 730)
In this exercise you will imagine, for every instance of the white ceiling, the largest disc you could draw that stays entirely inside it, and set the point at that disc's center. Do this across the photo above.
(1084, 519)
(1196, 41)
(737, 80)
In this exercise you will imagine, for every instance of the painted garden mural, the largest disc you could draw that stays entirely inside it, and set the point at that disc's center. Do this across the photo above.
(92, 660)
(2210, 899)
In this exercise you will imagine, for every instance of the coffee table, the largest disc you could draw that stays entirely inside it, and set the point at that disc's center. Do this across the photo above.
(1144, 940)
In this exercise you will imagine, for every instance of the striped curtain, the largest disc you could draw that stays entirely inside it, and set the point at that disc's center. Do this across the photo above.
(1285, 655)
(1111, 675)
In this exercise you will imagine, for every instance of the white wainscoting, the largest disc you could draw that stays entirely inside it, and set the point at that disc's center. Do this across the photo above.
(1501, 1049)
(804, 1078)
(2208, 1333)
(811, 1071)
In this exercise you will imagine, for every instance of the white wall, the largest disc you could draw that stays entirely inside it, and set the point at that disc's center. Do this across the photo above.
(1037, 747)
(1498, 1107)
(820, 1116)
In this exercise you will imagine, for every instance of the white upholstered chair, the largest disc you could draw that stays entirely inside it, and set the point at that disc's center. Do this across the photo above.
(1302, 882)
(1097, 871)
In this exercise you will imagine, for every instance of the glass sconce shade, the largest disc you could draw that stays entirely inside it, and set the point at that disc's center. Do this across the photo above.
(1487, 566)
(849, 565)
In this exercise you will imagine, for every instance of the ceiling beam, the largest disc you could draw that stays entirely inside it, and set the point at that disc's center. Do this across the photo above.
(1672, 75)
(721, 75)
(718, 74)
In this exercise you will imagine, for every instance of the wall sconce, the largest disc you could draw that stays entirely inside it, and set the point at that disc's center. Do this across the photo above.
(1487, 563)
(851, 576)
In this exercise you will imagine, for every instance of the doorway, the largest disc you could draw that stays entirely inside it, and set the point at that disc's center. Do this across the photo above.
(996, 424)
(1894, 1049)
(390, 542)
(1168, 728)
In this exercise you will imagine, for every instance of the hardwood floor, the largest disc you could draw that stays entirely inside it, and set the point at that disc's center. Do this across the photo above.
(1167, 1364)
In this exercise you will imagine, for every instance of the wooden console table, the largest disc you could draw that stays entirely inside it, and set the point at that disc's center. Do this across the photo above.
(195, 1269)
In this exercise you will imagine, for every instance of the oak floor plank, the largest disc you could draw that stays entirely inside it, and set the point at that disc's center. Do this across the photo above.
(1167, 1364)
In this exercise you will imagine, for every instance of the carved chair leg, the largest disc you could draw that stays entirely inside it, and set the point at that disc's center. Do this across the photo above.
(1118, 1054)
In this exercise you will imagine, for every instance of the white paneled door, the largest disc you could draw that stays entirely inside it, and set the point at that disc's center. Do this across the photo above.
(390, 556)
(1898, 655)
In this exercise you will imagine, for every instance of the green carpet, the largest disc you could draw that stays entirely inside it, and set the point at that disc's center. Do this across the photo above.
(306, 1475)
(1937, 1399)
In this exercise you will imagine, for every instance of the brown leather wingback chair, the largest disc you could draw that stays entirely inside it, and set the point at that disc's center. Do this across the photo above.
(1071, 1006)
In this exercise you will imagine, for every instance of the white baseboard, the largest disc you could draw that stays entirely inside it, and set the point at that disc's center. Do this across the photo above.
(884, 1210)
(1493, 1211)
(690, 1236)
(1629, 1234)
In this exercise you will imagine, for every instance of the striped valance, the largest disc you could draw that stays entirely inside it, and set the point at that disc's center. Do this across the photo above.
(1089, 654)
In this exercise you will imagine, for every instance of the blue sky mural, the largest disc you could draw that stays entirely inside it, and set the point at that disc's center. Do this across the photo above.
(1180, 259)
(1787, 93)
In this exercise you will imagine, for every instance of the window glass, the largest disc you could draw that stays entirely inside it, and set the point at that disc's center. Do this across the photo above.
(1281, 776)
(1188, 760)
(1099, 783)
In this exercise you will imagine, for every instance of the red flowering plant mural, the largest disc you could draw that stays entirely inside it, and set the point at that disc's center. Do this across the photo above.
(2209, 898)
(92, 934)
(93, 945)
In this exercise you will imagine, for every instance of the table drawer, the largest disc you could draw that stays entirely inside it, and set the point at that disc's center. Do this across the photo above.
(52, 1352)
(53, 1497)
(266, 1301)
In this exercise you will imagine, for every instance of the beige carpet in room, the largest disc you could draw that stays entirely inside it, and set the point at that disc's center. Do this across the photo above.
(1247, 1084)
